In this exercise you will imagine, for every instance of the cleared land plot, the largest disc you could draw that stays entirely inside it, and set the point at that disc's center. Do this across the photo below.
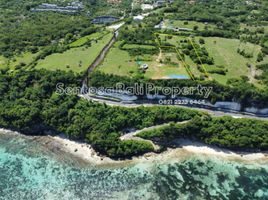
(188, 24)
(167, 63)
(121, 63)
(175, 41)
(224, 52)
(75, 59)
(25, 58)
(165, 71)
(83, 40)
(118, 62)
(254, 28)
(137, 46)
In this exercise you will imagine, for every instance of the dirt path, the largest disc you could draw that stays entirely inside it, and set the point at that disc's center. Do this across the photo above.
(252, 73)
(160, 55)
(133, 135)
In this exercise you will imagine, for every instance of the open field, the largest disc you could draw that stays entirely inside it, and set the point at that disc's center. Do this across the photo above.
(168, 63)
(224, 52)
(133, 46)
(25, 58)
(166, 40)
(118, 62)
(83, 40)
(3, 62)
(187, 24)
(75, 59)
(121, 63)
(254, 28)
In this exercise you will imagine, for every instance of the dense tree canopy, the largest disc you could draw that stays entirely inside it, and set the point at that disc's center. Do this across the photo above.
(223, 131)
(28, 103)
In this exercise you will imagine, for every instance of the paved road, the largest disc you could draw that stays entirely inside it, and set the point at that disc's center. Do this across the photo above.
(211, 112)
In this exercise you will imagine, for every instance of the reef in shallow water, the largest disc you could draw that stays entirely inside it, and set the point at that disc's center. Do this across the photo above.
(29, 171)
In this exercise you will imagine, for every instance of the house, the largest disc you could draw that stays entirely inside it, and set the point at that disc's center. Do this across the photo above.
(140, 17)
(147, 7)
(104, 20)
(160, 3)
(72, 7)
(144, 66)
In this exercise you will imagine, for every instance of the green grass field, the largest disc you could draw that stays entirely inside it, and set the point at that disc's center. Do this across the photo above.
(224, 52)
(3, 62)
(121, 63)
(81, 41)
(253, 28)
(118, 62)
(188, 24)
(11, 63)
(75, 59)
(133, 46)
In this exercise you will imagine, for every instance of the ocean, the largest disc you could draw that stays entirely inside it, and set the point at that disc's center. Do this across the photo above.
(30, 171)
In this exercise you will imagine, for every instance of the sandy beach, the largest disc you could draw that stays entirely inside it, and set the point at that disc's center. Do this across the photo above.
(184, 149)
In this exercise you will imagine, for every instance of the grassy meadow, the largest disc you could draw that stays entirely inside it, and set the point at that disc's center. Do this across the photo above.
(75, 59)
(121, 63)
(11, 63)
(118, 62)
(187, 24)
(224, 52)
(83, 40)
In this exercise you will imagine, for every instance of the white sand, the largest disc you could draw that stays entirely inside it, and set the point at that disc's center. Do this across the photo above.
(82, 150)
(200, 148)
(185, 149)
(6, 131)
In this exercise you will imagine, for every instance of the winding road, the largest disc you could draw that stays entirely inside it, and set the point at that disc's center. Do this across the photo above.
(215, 113)
(133, 134)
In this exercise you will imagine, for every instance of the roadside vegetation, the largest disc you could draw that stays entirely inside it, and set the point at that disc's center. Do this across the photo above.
(29, 104)
(38, 50)
(238, 89)
(227, 132)
(76, 59)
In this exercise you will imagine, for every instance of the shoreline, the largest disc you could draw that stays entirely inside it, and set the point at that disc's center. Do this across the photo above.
(184, 149)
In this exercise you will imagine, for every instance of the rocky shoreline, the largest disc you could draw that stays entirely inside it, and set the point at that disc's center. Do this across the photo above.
(85, 154)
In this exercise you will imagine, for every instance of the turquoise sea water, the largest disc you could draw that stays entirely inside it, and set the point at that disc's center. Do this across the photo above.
(29, 171)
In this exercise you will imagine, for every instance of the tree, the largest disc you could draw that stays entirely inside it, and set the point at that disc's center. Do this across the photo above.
(201, 41)
(260, 57)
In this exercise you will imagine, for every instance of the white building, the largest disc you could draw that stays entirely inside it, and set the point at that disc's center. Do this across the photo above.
(147, 7)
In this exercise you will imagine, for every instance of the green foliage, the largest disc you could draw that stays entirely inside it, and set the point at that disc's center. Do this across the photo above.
(29, 104)
(36, 30)
(238, 89)
(224, 131)
(197, 53)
